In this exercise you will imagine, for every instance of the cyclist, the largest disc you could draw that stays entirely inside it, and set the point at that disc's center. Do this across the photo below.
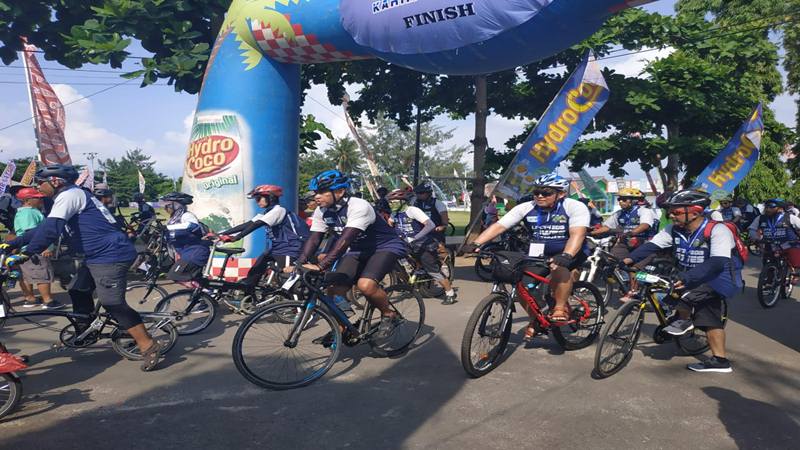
(381, 204)
(414, 226)
(711, 271)
(557, 228)
(185, 234)
(749, 212)
(286, 232)
(433, 208)
(107, 251)
(729, 212)
(778, 227)
(106, 197)
(369, 248)
(636, 224)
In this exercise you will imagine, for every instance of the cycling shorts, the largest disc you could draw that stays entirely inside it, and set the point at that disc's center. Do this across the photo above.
(374, 266)
(707, 305)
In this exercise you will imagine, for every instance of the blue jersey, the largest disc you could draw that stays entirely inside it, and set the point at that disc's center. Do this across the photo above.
(550, 228)
(777, 229)
(286, 233)
(692, 250)
(186, 236)
(630, 219)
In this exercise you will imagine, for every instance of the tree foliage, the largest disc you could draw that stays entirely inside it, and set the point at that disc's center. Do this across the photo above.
(123, 176)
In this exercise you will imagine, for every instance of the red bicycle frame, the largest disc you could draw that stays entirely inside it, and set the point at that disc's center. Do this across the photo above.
(533, 306)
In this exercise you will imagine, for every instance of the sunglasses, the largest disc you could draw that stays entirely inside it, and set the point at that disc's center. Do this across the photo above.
(543, 193)
(622, 199)
(770, 206)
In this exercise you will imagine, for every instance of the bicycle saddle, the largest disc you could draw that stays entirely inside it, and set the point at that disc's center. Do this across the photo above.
(229, 250)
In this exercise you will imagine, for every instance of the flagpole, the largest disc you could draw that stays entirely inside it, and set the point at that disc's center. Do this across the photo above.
(30, 99)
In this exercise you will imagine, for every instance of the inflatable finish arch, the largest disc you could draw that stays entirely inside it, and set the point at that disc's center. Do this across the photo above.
(245, 130)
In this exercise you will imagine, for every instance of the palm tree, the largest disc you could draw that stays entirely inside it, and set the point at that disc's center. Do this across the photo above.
(345, 154)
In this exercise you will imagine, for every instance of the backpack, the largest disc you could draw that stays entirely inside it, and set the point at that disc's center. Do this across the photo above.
(741, 249)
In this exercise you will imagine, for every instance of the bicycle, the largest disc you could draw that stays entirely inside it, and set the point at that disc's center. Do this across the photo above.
(489, 327)
(619, 338)
(753, 246)
(310, 343)
(775, 279)
(155, 260)
(414, 275)
(600, 271)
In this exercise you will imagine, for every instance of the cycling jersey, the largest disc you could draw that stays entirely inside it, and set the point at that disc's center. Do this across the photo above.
(550, 228)
(730, 213)
(358, 213)
(186, 236)
(285, 231)
(629, 219)
(433, 208)
(780, 228)
(410, 222)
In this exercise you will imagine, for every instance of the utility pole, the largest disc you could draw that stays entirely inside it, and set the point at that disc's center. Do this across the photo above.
(91, 157)
(416, 150)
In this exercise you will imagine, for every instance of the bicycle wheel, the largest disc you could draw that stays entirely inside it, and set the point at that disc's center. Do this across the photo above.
(189, 322)
(769, 286)
(408, 304)
(615, 347)
(10, 393)
(164, 332)
(263, 355)
(485, 337)
(451, 229)
(695, 342)
(586, 309)
(268, 298)
(143, 292)
(483, 268)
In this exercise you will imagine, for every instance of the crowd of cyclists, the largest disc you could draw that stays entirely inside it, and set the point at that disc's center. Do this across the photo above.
(358, 244)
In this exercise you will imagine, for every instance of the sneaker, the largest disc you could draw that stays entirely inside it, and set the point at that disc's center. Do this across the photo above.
(450, 299)
(387, 327)
(325, 341)
(52, 304)
(679, 327)
(33, 304)
(712, 364)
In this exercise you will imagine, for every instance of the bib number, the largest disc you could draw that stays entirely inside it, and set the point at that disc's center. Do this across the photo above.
(536, 249)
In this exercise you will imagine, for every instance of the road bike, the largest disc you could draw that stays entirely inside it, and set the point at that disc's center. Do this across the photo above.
(489, 327)
(775, 279)
(623, 329)
(277, 354)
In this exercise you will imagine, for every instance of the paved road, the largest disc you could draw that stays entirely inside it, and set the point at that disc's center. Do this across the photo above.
(540, 397)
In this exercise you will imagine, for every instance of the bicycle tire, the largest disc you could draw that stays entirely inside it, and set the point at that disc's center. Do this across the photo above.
(191, 322)
(451, 229)
(695, 342)
(10, 393)
(125, 345)
(157, 293)
(633, 309)
(592, 324)
(768, 291)
(408, 303)
(477, 323)
(246, 364)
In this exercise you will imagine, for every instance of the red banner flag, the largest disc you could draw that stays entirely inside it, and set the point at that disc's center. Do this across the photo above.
(48, 112)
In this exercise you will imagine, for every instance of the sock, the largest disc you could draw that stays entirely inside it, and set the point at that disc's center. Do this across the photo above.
(450, 293)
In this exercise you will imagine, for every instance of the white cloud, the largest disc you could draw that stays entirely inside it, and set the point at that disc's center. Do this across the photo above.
(632, 65)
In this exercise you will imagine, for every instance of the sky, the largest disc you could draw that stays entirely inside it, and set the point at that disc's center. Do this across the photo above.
(158, 120)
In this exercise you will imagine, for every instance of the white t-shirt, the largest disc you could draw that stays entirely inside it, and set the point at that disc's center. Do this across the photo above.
(417, 214)
(273, 217)
(360, 214)
(577, 214)
(73, 201)
(722, 242)
(646, 216)
(187, 220)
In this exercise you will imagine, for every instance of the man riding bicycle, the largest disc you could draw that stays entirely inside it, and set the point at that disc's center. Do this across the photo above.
(777, 227)
(557, 228)
(711, 271)
(415, 227)
(106, 250)
(369, 248)
(437, 211)
(286, 232)
(729, 212)
(636, 223)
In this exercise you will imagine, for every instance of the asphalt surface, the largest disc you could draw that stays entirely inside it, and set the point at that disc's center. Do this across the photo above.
(539, 397)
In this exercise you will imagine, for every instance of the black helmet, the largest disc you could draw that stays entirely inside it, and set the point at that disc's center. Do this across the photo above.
(423, 188)
(103, 192)
(61, 171)
(688, 197)
(179, 197)
(138, 197)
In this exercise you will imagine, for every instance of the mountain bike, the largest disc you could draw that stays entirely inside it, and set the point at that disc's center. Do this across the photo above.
(489, 327)
(623, 329)
(274, 354)
(775, 279)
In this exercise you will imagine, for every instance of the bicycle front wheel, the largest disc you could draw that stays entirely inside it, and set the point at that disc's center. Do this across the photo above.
(586, 310)
(615, 348)
(408, 306)
(10, 393)
(769, 286)
(486, 335)
(194, 313)
(267, 356)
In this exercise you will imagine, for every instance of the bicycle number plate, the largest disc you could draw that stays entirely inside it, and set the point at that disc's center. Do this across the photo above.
(290, 282)
(646, 277)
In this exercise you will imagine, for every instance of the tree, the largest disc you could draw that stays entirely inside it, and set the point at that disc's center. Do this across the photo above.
(344, 154)
(310, 164)
(123, 176)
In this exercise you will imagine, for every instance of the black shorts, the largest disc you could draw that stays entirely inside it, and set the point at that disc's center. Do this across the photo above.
(708, 307)
(374, 266)
(544, 271)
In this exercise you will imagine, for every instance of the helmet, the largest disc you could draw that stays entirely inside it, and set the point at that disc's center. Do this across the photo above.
(552, 180)
(399, 194)
(779, 202)
(103, 192)
(29, 192)
(57, 171)
(423, 188)
(631, 192)
(329, 180)
(138, 197)
(265, 190)
(178, 197)
(688, 197)
(727, 199)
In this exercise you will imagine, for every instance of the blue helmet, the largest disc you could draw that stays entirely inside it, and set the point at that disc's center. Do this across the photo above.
(329, 180)
(779, 202)
(552, 180)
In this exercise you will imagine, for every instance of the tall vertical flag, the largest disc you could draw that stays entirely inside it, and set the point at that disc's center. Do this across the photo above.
(27, 177)
(592, 188)
(141, 182)
(559, 128)
(48, 112)
(5, 178)
(734, 162)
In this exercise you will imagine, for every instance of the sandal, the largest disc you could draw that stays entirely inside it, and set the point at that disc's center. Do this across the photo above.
(530, 333)
(151, 357)
(560, 314)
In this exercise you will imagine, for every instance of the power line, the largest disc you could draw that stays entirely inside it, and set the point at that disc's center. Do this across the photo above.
(78, 83)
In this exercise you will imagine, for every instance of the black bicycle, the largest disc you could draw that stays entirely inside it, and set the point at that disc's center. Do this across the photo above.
(775, 279)
(154, 259)
(274, 354)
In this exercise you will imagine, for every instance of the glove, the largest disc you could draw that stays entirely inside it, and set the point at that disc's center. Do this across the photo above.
(225, 238)
(16, 260)
(562, 259)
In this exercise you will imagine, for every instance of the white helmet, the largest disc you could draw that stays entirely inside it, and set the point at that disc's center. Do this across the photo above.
(552, 180)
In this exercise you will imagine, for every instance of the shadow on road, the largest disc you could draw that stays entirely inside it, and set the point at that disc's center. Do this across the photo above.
(778, 323)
